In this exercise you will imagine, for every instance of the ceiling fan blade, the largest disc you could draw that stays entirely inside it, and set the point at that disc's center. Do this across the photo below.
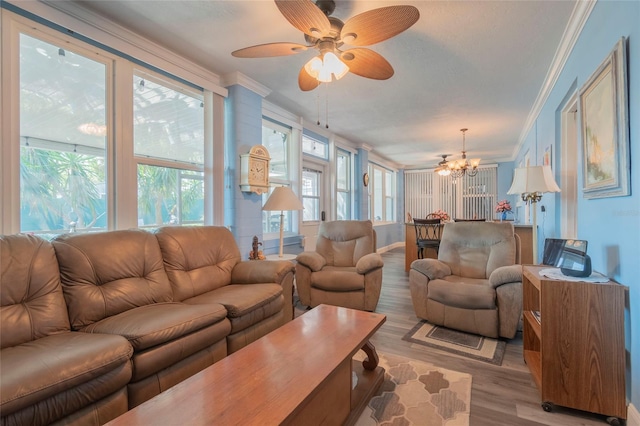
(376, 25)
(305, 16)
(306, 81)
(269, 50)
(367, 63)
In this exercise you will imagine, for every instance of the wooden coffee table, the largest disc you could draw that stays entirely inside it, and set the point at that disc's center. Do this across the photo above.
(298, 374)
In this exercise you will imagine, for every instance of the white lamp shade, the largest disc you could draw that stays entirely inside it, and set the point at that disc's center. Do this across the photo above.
(283, 199)
(527, 180)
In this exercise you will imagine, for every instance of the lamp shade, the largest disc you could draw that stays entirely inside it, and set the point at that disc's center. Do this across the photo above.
(282, 199)
(527, 180)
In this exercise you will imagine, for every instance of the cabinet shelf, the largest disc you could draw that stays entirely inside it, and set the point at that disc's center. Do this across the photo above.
(575, 352)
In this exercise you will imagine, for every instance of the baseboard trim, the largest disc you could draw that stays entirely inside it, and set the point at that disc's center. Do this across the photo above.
(390, 247)
(633, 416)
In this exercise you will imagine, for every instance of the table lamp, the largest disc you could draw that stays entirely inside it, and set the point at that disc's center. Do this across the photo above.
(531, 183)
(283, 199)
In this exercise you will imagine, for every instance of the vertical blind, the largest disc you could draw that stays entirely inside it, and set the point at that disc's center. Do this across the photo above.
(462, 198)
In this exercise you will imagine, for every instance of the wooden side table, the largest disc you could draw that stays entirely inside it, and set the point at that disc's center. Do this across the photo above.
(573, 341)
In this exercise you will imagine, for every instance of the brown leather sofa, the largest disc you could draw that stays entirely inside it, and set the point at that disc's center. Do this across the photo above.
(158, 307)
(47, 371)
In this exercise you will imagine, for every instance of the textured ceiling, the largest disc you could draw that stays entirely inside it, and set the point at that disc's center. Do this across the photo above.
(473, 64)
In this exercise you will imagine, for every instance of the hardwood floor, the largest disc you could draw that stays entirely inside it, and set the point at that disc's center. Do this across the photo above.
(500, 395)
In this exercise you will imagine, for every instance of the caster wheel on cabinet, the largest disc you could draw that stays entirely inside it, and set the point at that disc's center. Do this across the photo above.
(614, 421)
(547, 406)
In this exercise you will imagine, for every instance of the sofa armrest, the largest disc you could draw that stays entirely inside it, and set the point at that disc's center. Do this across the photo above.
(505, 275)
(261, 271)
(368, 263)
(312, 260)
(431, 268)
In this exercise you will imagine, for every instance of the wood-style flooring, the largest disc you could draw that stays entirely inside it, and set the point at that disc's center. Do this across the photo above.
(500, 395)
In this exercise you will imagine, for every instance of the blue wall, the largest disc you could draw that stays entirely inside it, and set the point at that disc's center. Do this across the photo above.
(243, 129)
(611, 225)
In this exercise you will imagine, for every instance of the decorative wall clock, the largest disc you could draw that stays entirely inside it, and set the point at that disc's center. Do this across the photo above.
(254, 170)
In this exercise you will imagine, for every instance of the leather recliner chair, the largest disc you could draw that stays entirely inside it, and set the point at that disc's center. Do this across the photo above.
(475, 285)
(345, 269)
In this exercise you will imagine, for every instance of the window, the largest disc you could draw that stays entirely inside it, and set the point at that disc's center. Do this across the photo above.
(168, 129)
(311, 181)
(63, 138)
(343, 185)
(315, 146)
(79, 109)
(465, 198)
(275, 138)
(383, 194)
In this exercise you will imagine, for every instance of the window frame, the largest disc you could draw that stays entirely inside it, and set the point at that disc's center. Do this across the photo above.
(121, 173)
(278, 181)
(348, 189)
(386, 190)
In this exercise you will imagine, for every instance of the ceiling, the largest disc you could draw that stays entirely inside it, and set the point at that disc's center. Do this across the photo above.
(473, 64)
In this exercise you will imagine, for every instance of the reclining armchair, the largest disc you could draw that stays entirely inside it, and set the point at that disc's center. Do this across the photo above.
(344, 270)
(475, 285)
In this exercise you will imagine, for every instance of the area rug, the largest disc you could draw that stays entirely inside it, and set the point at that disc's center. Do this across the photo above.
(418, 393)
(468, 345)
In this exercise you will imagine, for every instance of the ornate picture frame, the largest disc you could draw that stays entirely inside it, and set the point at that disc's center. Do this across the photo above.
(605, 128)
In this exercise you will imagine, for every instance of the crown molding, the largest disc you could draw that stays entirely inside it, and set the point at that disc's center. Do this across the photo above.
(579, 16)
(240, 79)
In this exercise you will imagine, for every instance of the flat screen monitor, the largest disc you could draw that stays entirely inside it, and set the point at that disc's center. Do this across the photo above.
(567, 254)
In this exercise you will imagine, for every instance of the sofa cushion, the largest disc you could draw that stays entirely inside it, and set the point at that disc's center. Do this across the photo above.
(476, 249)
(31, 302)
(197, 259)
(49, 366)
(157, 324)
(466, 293)
(107, 273)
(246, 304)
(332, 278)
(343, 242)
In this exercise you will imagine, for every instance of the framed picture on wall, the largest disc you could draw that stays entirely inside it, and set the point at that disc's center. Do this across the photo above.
(605, 128)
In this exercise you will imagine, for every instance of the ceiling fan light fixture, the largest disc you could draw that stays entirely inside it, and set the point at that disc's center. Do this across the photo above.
(323, 67)
(443, 171)
(335, 66)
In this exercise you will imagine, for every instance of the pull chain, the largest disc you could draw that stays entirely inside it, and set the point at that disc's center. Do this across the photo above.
(318, 105)
(327, 105)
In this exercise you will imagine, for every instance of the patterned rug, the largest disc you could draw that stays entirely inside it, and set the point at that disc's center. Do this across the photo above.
(468, 345)
(418, 393)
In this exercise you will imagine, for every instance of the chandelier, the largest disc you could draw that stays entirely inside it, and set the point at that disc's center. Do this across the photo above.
(458, 168)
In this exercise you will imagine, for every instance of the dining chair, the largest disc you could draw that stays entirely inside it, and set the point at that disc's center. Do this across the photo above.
(427, 235)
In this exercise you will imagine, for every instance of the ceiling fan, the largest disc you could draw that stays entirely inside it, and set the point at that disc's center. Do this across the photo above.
(328, 34)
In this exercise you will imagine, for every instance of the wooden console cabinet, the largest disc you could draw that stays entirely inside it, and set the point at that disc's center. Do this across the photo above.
(573, 341)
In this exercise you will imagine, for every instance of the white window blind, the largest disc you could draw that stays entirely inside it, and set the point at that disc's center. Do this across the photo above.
(418, 193)
(462, 198)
